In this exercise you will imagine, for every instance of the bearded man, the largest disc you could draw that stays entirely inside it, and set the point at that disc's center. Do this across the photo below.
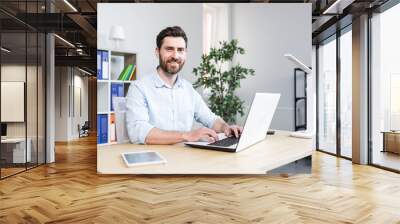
(162, 107)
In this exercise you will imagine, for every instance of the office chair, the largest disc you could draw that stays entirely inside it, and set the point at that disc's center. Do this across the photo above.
(84, 130)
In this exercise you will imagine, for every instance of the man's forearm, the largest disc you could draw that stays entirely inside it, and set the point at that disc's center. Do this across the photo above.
(160, 137)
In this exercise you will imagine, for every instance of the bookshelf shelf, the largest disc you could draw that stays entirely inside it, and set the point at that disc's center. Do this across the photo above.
(115, 72)
(120, 81)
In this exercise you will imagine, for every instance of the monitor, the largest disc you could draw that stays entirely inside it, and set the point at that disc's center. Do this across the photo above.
(3, 129)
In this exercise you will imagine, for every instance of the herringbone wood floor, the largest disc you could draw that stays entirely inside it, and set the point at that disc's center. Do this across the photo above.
(70, 191)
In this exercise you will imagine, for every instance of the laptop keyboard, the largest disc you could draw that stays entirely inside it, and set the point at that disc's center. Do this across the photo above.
(226, 141)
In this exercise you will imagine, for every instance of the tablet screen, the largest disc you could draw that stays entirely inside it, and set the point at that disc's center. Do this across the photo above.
(142, 157)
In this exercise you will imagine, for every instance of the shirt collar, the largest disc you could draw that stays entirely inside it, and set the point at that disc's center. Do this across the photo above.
(158, 82)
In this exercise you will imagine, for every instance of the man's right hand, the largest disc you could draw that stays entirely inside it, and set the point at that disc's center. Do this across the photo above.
(206, 134)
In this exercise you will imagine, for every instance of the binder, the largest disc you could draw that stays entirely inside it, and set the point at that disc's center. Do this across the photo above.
(113, 137)
(99, 65)
(117, 90)
(102, 128)
(131, 77)
(120, 77)
(127, 72)
(105, 65)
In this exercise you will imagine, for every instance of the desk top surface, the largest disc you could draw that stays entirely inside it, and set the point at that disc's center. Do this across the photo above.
(391, 132)
(273, 152)
(13, 140)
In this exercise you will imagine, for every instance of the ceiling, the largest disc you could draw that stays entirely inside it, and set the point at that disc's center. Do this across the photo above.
(77, 23)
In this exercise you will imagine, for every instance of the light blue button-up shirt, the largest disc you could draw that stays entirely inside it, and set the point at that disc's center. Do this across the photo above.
(152, 103)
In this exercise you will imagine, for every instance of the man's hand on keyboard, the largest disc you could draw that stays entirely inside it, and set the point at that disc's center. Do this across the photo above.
(235, 130)
(201, 134)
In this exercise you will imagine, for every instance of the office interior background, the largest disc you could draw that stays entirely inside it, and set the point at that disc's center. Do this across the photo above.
(265, 44)
(70, 53)
(40, 71)
(48, 69)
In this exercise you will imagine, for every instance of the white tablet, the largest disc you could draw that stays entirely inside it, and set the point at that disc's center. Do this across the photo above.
(142, 158)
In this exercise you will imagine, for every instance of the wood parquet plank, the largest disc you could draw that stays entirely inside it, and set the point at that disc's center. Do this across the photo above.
(70, 191)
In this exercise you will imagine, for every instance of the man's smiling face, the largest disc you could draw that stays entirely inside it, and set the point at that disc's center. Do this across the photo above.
(172, 54)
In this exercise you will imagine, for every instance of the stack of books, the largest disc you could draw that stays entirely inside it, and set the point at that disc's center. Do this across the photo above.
(128, 73)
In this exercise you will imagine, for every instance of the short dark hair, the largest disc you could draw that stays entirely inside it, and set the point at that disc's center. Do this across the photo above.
(174, 31)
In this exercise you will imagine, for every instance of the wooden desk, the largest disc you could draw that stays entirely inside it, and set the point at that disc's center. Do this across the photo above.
(16, 150)
(391, 141)
(275, 151)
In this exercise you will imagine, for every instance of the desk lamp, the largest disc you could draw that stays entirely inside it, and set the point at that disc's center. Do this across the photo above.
(305, 133)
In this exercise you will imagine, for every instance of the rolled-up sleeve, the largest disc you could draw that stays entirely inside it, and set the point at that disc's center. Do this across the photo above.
(137, 115)
(202, 113)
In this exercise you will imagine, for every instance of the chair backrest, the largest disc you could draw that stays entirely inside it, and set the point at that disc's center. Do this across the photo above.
(86, 125)
(119, 104)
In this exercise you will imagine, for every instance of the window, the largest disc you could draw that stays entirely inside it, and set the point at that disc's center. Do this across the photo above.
(22, 65)
(333, 77)
(215, 24)
(346, 93)
(385, 85)
(327, 96)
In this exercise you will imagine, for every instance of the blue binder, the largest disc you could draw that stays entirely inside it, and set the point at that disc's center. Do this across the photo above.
(102, 128)
(117, 89)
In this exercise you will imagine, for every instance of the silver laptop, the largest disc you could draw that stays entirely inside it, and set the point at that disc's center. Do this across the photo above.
(255, 129)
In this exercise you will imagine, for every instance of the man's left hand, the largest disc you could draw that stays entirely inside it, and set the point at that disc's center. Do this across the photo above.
(235, 130)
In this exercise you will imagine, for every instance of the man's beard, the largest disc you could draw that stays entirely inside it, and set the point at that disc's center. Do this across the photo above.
(168, 69)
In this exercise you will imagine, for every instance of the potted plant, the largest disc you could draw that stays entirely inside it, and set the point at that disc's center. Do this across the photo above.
(221, 82)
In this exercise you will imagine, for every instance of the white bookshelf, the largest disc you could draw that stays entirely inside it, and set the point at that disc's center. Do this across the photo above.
(116, 63)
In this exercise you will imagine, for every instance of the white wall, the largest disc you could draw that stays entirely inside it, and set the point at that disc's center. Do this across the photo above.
(266, 31)
(61, 103)
(67, 80)
(15, 72)
(142, 22)
(80, 83)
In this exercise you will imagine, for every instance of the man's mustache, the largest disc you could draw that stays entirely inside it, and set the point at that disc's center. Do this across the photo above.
(174, 60)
